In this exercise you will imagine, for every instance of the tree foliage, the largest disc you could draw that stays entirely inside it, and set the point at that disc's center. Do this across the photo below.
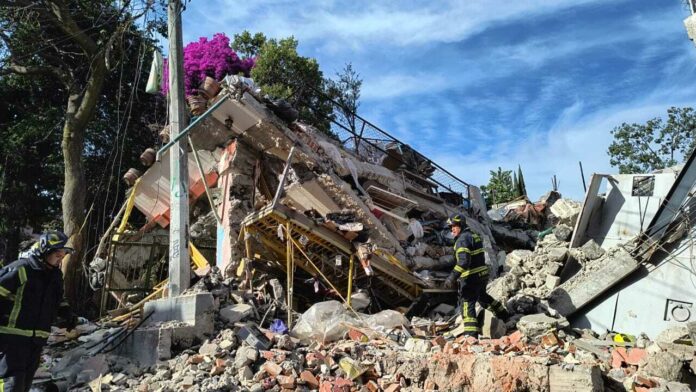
(345, 90)
(519, 185)
(282, 73)
(500, 187)
(71, 76)
(657, 144)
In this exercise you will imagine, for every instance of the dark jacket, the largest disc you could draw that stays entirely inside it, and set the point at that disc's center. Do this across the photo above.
(31, 297)
(471, 259)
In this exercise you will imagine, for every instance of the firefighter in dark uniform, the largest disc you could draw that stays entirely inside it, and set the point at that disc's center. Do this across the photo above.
(31, 299)
(471, 274)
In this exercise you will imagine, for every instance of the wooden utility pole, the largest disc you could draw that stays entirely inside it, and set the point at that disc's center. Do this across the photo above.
(179, 262)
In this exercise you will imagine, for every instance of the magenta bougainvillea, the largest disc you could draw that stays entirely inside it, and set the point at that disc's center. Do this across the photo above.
(212, 58)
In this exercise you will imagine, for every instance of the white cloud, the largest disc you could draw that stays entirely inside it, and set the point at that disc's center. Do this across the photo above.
(393, 22)
(576, 136)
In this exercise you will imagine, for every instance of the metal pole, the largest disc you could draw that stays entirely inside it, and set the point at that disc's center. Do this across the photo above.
(288, 265)
(179, 259)
(582, 174)
(350, 278)
(279, 191)
(205, 182)
(174, 139)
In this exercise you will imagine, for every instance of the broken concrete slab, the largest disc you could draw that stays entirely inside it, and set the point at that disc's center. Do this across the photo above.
(664, 365)
(593, 280)
(235, 313)
(535, 325)
(575, 379)
(192, 309)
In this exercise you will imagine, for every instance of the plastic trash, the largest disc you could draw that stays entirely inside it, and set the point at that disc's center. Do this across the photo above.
(351, 368)
(386, 320)
(416, 228)
(278, 326)
(324, 322)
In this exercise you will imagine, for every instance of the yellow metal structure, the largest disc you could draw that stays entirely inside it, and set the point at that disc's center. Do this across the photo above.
(319, 246)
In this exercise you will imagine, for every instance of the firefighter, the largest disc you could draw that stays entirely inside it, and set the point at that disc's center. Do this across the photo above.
(31, 299)
(471, 274)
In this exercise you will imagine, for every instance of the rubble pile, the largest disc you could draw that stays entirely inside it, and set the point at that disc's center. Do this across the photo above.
(353, 353)
(533, 274)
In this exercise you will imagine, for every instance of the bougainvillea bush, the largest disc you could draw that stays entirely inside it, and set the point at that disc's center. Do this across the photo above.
(212, 58)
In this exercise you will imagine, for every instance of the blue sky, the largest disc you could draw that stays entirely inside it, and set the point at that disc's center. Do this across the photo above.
(479, 84)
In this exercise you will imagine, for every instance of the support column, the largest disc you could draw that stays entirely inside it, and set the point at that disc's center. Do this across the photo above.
(179, 261)
(290, 264)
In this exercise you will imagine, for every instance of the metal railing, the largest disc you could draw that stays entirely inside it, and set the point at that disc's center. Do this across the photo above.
(375, 145)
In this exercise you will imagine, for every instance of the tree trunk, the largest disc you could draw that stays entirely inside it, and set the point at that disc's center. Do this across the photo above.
(80, 110)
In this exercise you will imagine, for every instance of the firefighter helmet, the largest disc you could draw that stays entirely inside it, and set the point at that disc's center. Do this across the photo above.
(456, 220)
(50, 241)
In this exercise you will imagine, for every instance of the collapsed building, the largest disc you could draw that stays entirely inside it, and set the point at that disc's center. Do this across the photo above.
(285, 219)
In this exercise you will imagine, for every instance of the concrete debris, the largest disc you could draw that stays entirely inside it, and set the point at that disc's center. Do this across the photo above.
(384, 351)
(235, 313)
(535, 325)
(531, 273)
(566, 211)
(664, 365)
(563, 232)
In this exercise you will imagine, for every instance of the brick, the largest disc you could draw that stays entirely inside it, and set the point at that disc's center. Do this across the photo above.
(196, 359)
(270, 335)
(393, 388)
(286, 382)
(326, 387)
(549, 340)
(219, 362)
(267, 355)
(357, 336)
(618, 357)
(342, 384)
(635, 356)
(315, 359)
(217, 370)
(439, 341)
(309, 379)
(450, 348)
(638, 388)
(372, 386)
(272, 369)
(646, 382)
(504, 341)
(515, 337)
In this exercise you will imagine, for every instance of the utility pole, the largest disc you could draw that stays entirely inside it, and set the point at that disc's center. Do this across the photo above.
(179, 262)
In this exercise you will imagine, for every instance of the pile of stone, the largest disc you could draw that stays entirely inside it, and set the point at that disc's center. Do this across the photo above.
(544, 354)
(530, 276)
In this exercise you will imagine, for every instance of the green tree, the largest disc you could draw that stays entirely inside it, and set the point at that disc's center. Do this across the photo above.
(77, 59)
(520, 187)
(345, 90)
(282, 73)
(247, 45)
(657, 144)
(500, 188)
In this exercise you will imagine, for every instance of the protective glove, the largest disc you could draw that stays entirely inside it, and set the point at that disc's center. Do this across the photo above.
(450, 282)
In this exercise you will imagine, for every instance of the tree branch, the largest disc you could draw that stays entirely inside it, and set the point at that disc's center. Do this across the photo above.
(65, 22)
(13, 68)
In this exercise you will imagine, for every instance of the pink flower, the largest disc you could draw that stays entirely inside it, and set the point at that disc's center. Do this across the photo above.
(212, 58)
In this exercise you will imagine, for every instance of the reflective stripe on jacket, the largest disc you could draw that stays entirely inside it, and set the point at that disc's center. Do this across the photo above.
(469, 253)
(30, 296)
